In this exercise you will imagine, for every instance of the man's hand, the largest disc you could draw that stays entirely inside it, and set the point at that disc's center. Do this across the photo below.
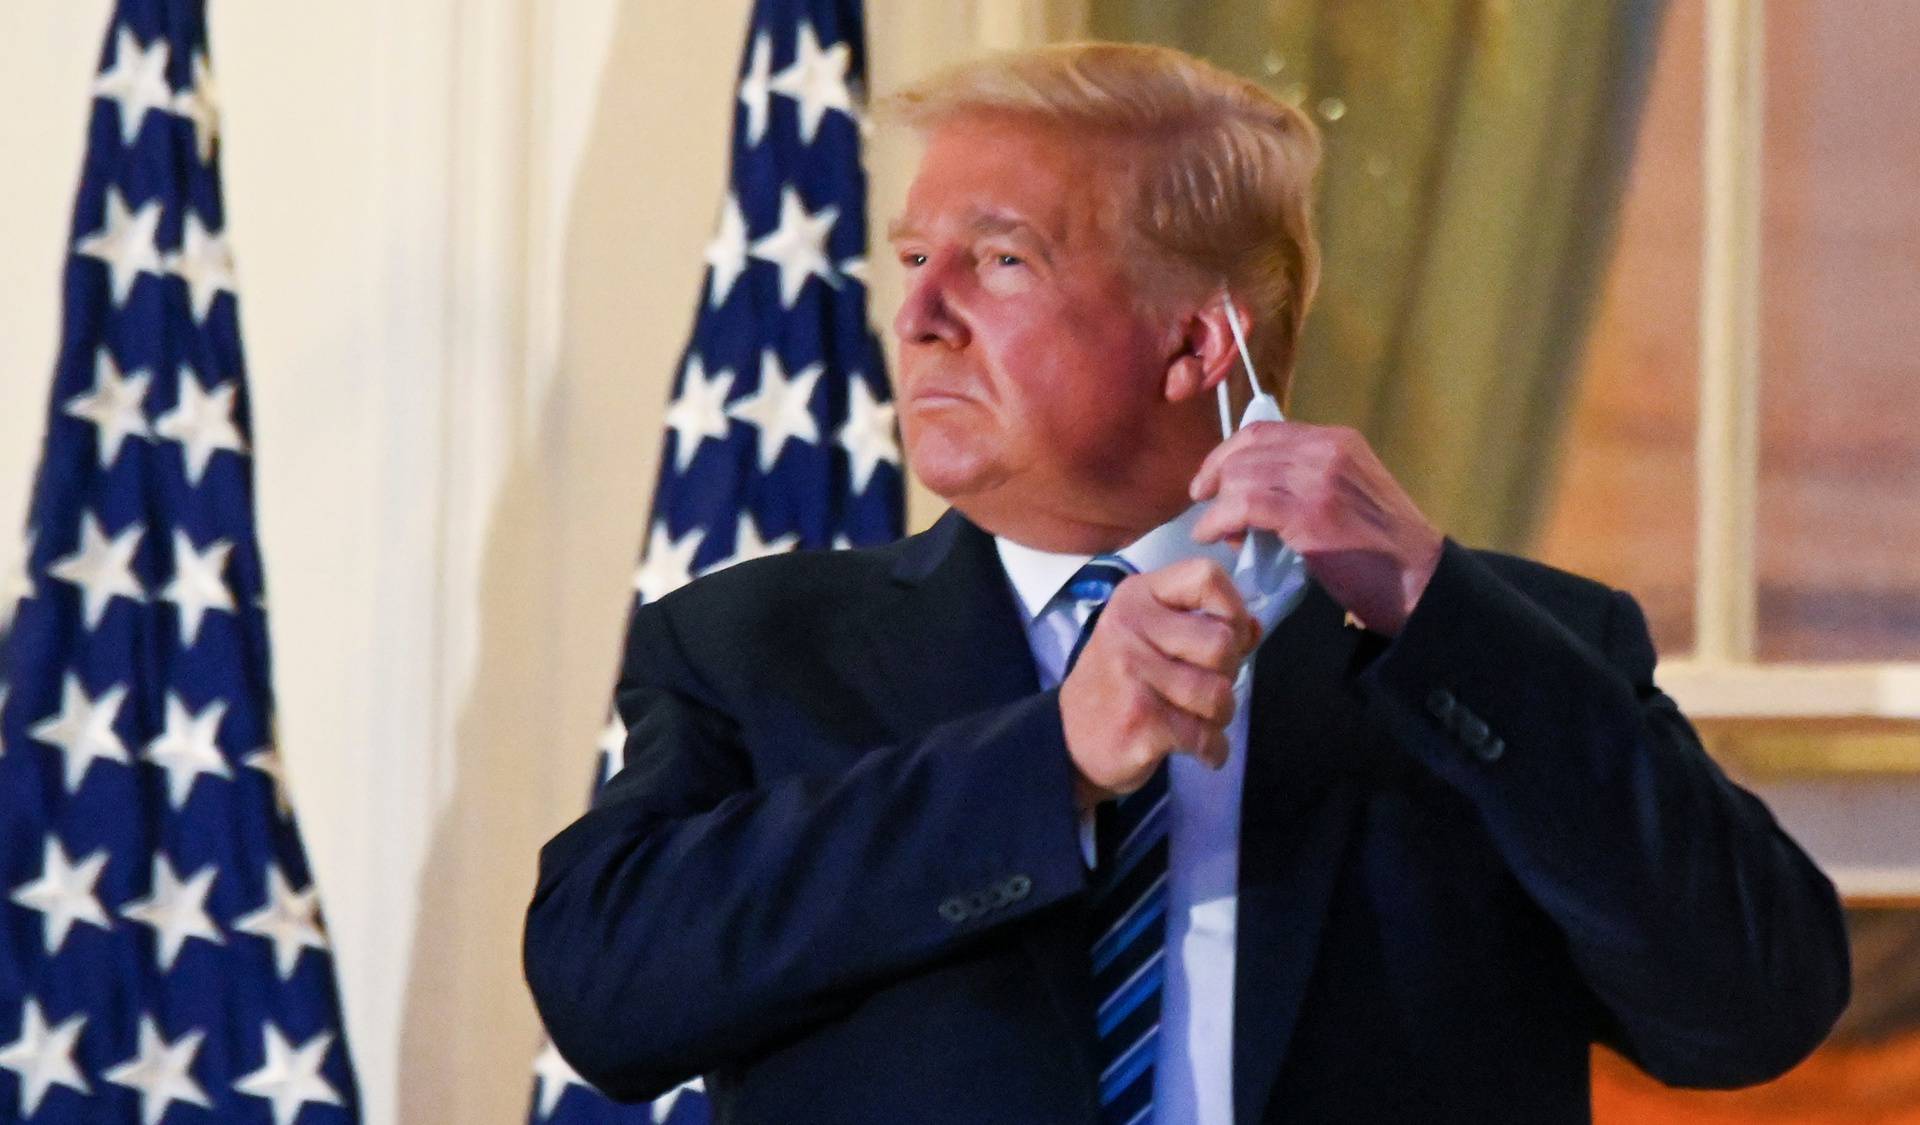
(1155, 678)
(1322, 490)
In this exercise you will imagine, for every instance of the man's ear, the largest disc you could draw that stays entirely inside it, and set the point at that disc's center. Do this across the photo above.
(1202, 351)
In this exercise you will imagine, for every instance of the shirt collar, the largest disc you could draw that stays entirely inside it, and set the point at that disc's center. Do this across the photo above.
(1036, 575)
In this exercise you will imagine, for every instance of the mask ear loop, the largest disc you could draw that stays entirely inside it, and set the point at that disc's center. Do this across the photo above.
(1246, 359)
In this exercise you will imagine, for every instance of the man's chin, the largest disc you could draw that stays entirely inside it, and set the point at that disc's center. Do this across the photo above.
(952, 471)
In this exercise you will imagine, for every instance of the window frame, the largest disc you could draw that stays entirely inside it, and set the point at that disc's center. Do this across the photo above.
(1772, 717)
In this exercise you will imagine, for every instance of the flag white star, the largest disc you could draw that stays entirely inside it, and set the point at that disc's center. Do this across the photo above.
(289, 919)
(612, 746)
(113, 406)
(868, 434)
(747, 544)
(817, 81)
(202, 422)
(754, 88)
(83, 730)
(779, 408)
(198, 583)
(699, 412)
(727, 253)
(798, 246)
(669, 562)
(267, 761)
(176, 910)
(64, 894)
(102, 568)
(43, 1056)
(125, 243)
(552, 1075)
(854, 267)
(205, 262)
(19, 586)
(161, 1072)
(137, 80)
(188, 747)
(201, 106)
(662, 1107)
(290, 1077)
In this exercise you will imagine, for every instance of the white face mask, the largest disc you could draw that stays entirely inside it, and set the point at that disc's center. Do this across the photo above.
(1270, 576)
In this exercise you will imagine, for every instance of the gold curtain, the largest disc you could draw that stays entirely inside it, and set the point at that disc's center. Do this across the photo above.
(1476, 155)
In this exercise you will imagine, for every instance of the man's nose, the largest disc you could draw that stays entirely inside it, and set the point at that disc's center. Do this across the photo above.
(926, 313)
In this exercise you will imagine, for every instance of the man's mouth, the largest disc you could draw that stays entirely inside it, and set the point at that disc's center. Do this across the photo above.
(936, 396)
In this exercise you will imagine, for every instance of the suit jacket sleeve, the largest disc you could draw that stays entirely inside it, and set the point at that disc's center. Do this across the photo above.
(1714, 945)
(699, 914)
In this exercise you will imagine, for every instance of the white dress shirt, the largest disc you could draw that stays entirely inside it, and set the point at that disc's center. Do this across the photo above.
(1193, 1079)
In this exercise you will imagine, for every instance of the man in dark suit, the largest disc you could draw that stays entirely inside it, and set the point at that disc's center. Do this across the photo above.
(973, 828)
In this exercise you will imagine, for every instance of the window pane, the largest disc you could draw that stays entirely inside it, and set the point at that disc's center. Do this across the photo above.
(1623, 507)
(1839, 518)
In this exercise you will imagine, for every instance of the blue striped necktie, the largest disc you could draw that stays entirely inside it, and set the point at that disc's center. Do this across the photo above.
(1129, 907)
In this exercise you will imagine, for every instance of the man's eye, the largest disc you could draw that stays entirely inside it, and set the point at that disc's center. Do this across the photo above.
(911, 260)
(1009, 260)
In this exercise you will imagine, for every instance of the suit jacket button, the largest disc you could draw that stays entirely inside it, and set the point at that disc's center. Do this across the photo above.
(1490, 750)
(1473, 731)
(954, 910)
(1440, 704)
(1018, 888)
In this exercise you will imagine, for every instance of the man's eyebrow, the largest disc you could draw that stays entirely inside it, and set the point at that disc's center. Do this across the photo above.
(987, 222)
(1000, 223)
(1004, 222)
(983, 222)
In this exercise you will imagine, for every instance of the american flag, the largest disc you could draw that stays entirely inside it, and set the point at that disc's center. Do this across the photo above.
(781, 431)
(162, 957)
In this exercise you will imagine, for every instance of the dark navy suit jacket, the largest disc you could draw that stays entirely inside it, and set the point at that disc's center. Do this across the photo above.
(840, 877)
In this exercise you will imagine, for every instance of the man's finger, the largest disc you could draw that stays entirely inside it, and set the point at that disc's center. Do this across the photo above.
(1213, 750)
(1202, 639)
(1238, 510)
(1181, 733)
(1206, 695)
(1207, 481)
(1196, 584)
(1185, 734)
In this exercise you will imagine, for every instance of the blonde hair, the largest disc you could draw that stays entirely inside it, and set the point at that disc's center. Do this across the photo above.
(1227, 192)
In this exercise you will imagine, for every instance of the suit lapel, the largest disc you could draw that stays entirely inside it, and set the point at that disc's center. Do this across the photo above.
(946, 642)
(1296, 816)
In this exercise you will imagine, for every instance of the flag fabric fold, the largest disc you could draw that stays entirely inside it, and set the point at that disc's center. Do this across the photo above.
(162, 953)
(781, 433)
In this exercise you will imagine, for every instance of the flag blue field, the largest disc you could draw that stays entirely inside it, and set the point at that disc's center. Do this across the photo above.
(162, 955)
(781, 433)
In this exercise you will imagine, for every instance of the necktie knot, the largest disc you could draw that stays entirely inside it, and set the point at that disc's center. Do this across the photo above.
(1094, 583)
(1091, 586)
